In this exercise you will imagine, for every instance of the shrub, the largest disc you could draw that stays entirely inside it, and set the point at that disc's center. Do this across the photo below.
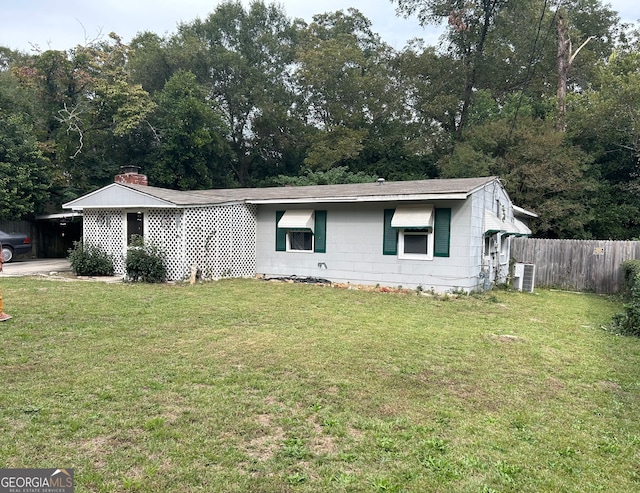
(90, 260)
(630, 271)
(145, 262)
(628, 321)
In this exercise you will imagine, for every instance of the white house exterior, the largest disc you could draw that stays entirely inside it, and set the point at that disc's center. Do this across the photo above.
(439, 235)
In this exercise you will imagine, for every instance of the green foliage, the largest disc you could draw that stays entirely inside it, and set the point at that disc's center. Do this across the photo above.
(465, 161)
(150, 61)
(90, 260)
(333, 176)
(145, 262)
(603, 121)
(243, 57)
(90, 113)
(23, 170)
(348, 82)
(25, 173)
(542, 171)
(246, 94)
(630, 273)
(192, 151)
(627, 322)
(335, 146)
(436, 81)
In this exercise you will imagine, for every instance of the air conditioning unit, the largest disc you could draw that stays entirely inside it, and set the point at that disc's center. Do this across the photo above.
(524, 277)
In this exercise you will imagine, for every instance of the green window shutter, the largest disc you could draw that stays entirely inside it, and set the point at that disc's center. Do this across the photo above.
(281, 234)
(320, 232)
(442, 233)
(390, 239)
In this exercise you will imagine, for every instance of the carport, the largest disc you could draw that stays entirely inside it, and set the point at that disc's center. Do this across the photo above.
(56, 233)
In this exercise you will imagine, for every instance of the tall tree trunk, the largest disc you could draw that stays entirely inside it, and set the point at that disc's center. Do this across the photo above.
(566, 56)
(563, 69)
(473, 59)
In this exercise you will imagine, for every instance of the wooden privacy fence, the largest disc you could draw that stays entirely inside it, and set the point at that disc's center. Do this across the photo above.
(578, 265)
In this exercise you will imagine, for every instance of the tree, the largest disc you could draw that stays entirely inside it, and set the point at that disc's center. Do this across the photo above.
(335, 77)
(244, 59)
(333, 176)
(592, 22)
(470, 26)
(192, 153)
(9, 58)
(505, 46)
(541, 170)
(25, 174)
(433, 83)
(150, 62)
(544, 172)
(89, 109)
(355, 99)
(604, 120)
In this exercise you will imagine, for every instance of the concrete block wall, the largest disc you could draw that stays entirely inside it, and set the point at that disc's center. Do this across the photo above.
(354, 250)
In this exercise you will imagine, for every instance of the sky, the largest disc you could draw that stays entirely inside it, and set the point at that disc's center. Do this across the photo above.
(63, 24)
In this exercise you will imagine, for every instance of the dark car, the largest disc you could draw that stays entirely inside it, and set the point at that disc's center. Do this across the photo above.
(14, 244)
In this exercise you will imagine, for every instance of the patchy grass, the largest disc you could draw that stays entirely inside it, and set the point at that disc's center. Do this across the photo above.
(244, 385)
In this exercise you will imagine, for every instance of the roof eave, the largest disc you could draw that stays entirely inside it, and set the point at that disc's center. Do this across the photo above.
(519, 211)
(128, 206)
(58, 215)
(76, 204)
(368, 198)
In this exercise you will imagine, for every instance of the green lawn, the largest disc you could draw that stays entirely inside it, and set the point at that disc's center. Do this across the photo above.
(251, 386)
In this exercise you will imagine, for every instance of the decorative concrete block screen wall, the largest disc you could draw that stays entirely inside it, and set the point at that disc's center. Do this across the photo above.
(222, 240)
(106, 229)
(164, 229)
(219, 241)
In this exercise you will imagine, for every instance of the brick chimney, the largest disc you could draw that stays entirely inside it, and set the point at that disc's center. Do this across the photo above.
(131, 175)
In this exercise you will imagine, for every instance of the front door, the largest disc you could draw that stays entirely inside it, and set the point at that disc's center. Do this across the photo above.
(135, 225)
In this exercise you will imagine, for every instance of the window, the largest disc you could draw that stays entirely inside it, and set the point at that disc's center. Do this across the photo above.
(300, 240)
(490, 244)
(497, 245)
(415, 243)
(301, 230)
(417, 232)
(505, 242)
(415, 226)
(135, 225)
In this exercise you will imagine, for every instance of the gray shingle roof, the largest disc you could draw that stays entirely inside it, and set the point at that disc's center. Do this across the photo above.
(318, 193)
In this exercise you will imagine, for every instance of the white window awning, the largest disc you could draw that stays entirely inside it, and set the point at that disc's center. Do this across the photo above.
(493, 224)
(418, 217)
(297, 219)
